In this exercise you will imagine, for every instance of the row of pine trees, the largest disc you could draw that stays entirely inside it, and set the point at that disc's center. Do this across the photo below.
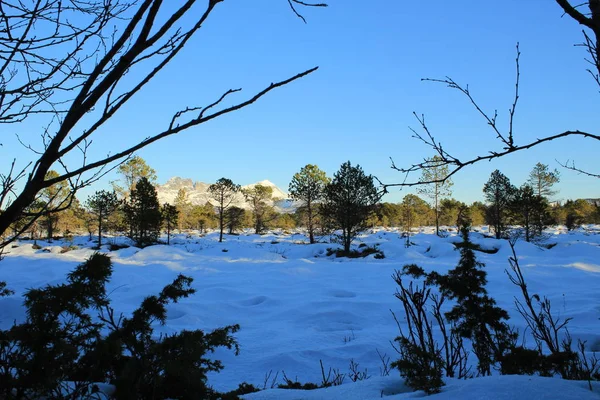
(132, 206)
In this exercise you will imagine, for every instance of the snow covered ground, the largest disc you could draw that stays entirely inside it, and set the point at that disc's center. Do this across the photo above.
(297, 306)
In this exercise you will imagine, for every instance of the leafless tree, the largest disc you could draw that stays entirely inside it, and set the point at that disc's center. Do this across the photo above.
(587, 14)
(66, 59)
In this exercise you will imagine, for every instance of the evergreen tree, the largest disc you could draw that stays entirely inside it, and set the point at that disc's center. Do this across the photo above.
(475, 315)
(132, 171)
(169, 216)
(52, 200)
(529, 211)
(184, 209)
(498, 192)
(477, 212)
(408, 215)
(203, 217)
(308, 187)
(258, 196)
(436, 190)
(144, 213)
(224, 192)
(350, 198)
(541, 180)
(234, 218)
(102, 204)
(453, 212)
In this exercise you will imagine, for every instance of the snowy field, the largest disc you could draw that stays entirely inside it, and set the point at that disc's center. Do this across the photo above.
(297, 306)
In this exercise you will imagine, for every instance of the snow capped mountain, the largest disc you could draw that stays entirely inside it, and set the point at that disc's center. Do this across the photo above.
(198, 194)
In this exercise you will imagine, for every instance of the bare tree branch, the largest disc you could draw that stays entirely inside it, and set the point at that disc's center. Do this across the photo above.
(67, 58)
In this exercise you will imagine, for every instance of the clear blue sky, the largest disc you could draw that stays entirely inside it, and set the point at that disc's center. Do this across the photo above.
(358, 106)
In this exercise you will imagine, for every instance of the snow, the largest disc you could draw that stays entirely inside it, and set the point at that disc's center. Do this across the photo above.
(297, 306)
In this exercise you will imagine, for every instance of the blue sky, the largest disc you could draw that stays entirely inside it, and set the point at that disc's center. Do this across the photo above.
(358, 106)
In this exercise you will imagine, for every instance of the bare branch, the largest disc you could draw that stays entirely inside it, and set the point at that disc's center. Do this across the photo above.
(571, 165)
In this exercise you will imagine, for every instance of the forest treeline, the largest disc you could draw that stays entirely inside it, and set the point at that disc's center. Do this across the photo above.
(115, 211)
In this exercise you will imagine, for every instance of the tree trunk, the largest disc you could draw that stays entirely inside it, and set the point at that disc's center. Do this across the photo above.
(311, 234)
(99, 229)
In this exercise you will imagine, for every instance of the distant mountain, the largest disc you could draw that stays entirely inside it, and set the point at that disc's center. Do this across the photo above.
(198, 194)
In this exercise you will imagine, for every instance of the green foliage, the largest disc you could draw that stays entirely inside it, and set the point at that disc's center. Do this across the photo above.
(52, 200)
(258, 196)
(184, 208)
(102, 204)
(224, 192)
(132, 171)
(308, 187)
(475, 315)
(541, 180)
(362, 252)
(421, 368)
(499, 193)
(350, 199)
(144, 215)
(530, 211)
(234, 218)
(435, 185)
(170, 215)
(203, 217)
(60, 342)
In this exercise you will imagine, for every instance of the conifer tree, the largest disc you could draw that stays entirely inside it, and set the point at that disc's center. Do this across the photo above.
(102, 204)
(234, 218)
(350, 198)
(436, 189)
(170, 214)
(224, 192)
(498, 193)
(308, 186)
(132, 171)
(203, 216)
(529, 211)
(541, 180)
(475, 315)
(52, 199)
(184, 209)
(408, 215)
(258, 196)
(144, 213)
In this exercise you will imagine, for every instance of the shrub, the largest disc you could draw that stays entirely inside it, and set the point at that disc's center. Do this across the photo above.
(61, 343)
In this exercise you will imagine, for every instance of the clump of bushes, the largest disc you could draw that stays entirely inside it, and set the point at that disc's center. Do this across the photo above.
(61, 351)
(475, 316)
(362, 252)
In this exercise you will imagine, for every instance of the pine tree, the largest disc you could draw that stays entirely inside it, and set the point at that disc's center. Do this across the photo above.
(170, 214)
(498, 193)
(350, 199)
(203, 217)
(258, 196)
(436, 190)
(529, 211)
(102, 204)
(224, 192)
(132, 171)
(55, 197)
(144, 213)
(541, 179)
(308, 186)
(184, 209)
(234, 218)
(475, 315)
(408, 215)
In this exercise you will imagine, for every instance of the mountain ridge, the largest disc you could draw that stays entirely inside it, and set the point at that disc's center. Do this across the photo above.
(198, 193)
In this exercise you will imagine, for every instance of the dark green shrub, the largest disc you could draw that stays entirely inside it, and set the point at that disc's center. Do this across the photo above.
(60, 342)
(421, 367)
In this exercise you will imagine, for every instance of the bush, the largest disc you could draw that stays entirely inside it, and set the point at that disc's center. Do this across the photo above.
(60, 342)
(362, 253)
